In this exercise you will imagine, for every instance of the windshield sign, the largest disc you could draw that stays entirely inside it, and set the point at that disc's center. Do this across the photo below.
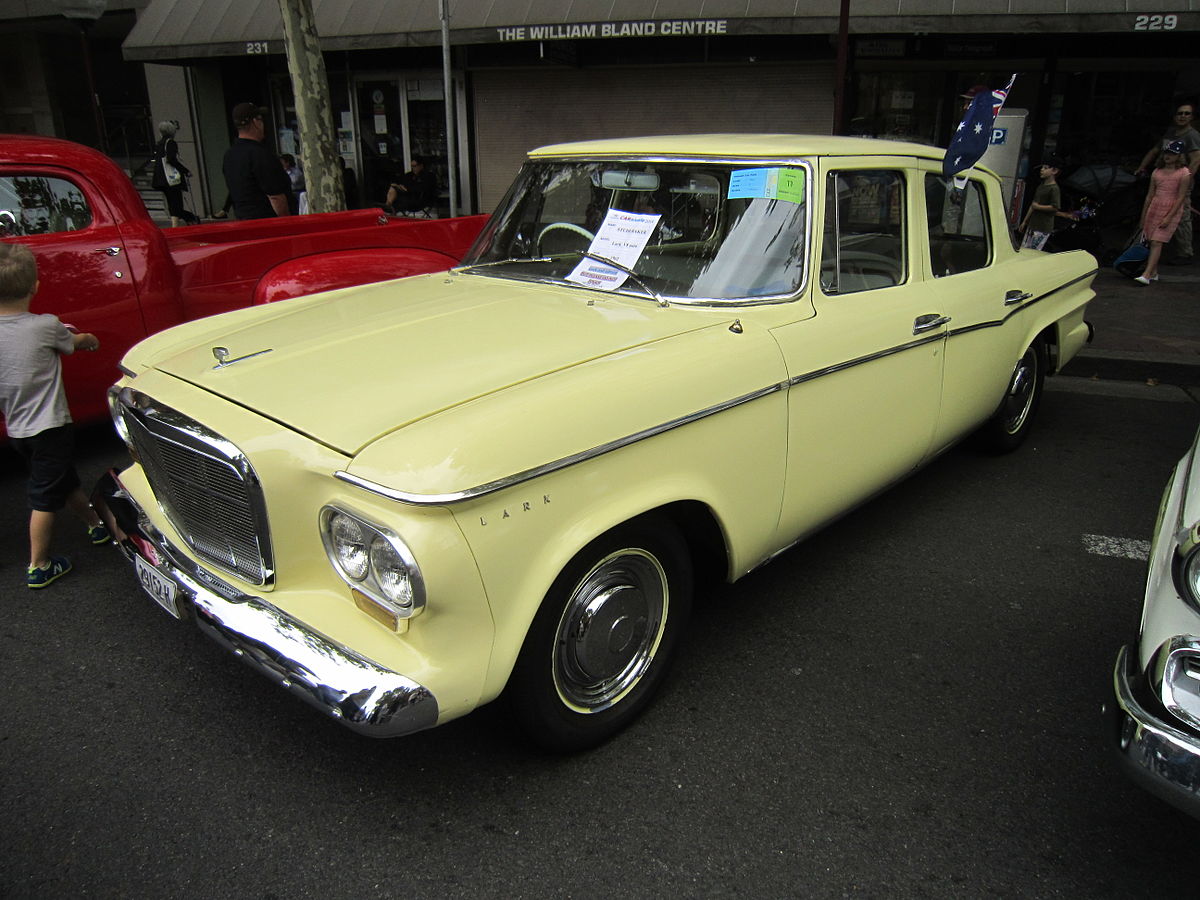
(680, 231)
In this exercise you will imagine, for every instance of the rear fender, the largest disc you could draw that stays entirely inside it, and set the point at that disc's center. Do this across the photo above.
(346, 268)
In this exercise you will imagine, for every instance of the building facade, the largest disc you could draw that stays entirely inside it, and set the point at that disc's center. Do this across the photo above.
(1097, 78)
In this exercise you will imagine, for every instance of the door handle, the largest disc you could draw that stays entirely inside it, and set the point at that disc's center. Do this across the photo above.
(929, 322)
(1012, 298)
(111, 251)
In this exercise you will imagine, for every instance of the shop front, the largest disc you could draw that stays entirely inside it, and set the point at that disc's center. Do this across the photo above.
(1093, 86)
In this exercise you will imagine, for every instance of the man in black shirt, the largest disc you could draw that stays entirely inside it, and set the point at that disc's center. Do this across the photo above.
(415, 191)
(258, 185)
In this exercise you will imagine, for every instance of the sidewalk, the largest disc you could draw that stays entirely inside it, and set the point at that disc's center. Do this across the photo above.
(1144, 333)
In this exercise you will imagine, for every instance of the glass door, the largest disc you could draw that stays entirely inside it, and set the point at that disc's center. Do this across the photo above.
(382, 144)
(426, 109)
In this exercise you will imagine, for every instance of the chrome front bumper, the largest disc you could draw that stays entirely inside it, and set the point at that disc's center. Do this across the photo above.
(359, 693)
(1161, 758)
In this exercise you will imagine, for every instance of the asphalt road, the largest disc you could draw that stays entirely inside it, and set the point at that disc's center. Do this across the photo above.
(906, 705)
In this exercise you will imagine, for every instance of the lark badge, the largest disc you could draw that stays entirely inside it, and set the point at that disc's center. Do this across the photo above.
(509, 512)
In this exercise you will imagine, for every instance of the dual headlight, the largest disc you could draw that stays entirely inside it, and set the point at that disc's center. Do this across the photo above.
(1187, 566)
(373, 560)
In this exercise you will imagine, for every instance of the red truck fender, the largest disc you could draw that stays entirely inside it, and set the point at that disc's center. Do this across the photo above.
(346, 268)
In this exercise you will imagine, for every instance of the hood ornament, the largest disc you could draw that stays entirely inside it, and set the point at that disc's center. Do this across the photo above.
(221, 354)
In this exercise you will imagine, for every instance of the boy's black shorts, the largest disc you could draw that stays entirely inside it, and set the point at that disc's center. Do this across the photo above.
(52, 477)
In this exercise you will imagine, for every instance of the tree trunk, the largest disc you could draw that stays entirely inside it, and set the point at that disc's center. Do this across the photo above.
(310, 87)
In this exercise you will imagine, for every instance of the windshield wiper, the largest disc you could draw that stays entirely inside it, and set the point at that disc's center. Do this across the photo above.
(632, 274)
(585, 253)
(503, 262)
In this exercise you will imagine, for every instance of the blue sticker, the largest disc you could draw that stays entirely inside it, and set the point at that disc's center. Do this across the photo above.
(774, 183)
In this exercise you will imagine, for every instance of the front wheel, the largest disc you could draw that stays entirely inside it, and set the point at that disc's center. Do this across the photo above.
(1009, 425)
(604, 637)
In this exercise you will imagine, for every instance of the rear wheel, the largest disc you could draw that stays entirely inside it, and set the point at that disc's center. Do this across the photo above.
(604, 637)
(1009, 425)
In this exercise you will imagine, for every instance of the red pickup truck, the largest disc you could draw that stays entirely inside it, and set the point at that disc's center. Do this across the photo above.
(105, 267)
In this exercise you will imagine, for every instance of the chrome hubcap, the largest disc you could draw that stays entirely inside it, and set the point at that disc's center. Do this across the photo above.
(1019, 399)
(610, 630)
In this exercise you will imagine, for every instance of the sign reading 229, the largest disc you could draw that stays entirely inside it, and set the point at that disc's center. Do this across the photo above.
(1155, 23)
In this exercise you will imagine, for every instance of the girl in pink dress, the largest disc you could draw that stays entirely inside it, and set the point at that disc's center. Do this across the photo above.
(1165, 204)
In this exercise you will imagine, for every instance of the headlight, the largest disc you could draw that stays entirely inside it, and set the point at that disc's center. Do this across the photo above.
(392, 573)
(117, 411)
(373, 560)
(349, 547)
(1189, 573)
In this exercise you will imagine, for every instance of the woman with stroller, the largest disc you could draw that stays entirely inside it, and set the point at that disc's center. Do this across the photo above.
(1170, 186)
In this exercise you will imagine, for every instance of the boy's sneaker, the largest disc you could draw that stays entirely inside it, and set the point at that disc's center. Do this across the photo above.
(40, 578)
(98, 534)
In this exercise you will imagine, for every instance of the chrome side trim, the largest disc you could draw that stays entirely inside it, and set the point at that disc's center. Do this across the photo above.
(345, 685)
(500, 484)
(995, 323)
(537, 471)
(870, 357)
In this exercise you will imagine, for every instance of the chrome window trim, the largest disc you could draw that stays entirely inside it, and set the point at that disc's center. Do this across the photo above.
(806, 163)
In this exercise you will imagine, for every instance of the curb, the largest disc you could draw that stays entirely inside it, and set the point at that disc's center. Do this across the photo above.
(1113, 365)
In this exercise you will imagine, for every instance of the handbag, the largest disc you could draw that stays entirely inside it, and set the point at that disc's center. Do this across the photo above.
(172, 174)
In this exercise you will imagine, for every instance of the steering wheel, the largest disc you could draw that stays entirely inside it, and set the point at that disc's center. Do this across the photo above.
(566, 226)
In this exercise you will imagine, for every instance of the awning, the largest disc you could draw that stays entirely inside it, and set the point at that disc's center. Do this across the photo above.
(183, 29)
(189, 29)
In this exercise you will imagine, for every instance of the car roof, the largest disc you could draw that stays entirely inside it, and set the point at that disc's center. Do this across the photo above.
(739, 146)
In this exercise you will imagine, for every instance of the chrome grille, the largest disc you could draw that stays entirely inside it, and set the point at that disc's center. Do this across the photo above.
(205, 486)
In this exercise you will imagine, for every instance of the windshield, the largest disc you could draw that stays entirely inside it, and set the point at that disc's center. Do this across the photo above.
(675, 230)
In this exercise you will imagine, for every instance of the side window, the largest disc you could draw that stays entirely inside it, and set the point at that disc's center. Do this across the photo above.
(864, 243)
(959, 240)
(40, 204)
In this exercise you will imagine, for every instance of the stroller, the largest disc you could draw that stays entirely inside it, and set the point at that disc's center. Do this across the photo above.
(1106, 202)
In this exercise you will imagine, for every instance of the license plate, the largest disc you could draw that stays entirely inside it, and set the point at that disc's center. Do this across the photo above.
(157, 585)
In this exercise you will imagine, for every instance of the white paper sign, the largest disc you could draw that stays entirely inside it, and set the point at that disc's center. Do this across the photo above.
(621, 237)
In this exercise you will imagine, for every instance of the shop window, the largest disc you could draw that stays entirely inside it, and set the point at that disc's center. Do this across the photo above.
(864, 242)
(959, 239)
(37, 204)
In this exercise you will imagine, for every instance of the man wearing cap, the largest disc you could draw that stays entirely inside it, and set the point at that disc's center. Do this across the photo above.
(1183, 128)
(258, 185)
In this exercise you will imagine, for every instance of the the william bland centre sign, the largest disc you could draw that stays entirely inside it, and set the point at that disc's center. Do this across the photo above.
(662, 28)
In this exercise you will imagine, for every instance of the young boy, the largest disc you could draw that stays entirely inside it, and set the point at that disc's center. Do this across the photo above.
(1039, 221)
(35, 412)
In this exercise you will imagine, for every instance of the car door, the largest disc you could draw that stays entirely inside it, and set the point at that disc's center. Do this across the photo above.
(980, 296)
(83, 272)
(865, 372)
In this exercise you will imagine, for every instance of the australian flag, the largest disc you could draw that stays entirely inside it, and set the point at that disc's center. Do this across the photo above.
(974, 132)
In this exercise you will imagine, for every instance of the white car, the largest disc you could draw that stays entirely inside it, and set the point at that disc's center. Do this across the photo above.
(1157, 680)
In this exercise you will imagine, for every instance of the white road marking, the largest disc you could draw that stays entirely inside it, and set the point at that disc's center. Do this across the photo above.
(1120, 547)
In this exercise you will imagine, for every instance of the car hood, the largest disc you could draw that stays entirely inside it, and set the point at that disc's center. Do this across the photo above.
(350, 366)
